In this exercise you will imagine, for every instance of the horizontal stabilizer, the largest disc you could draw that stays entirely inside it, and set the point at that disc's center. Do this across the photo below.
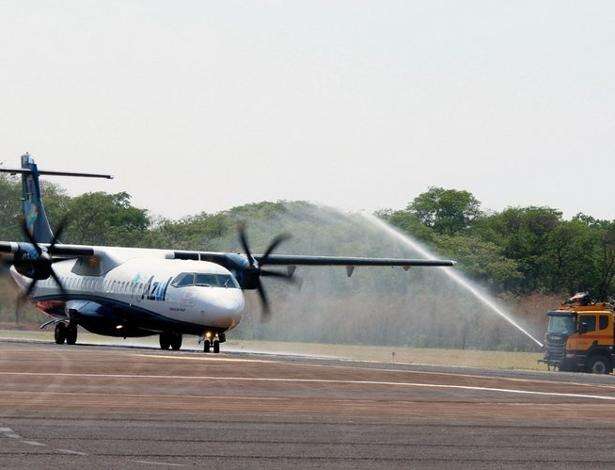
(26, 171)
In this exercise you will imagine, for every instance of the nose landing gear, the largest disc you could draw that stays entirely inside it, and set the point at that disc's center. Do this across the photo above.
(213, 341)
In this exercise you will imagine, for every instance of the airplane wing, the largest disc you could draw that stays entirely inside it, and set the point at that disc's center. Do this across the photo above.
(24, 248)
(294, 260)
(60, 250)
(237, 260)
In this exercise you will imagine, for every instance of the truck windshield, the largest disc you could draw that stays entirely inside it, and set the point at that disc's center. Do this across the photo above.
(561, 324)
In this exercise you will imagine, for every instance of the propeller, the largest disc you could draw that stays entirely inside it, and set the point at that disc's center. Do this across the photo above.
(255, 270)
(40, 267)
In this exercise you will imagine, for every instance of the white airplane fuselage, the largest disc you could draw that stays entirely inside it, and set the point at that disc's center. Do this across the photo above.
(141, 287)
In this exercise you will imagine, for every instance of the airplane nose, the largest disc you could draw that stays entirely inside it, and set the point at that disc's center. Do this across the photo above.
(222, 307)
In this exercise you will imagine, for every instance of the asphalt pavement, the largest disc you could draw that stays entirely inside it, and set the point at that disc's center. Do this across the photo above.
(105, 407)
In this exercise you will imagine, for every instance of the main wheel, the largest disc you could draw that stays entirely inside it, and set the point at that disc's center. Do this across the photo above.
(59, 334)
(206, 346)
(165, 341)
(216, 346)
(71, 334)
(599, 365)
(176, 342)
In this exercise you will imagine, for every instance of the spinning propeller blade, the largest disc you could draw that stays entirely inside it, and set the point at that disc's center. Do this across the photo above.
(42, 266)
(256, 270)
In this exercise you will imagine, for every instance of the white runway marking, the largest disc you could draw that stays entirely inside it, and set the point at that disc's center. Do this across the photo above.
(34, 443)
(319, 381)
(381, 369)
(478, 376)
(203, 359)
(8, 432)
(71, 452)
(166, 464)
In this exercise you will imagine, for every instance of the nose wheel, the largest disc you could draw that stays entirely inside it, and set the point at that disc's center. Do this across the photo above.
(211, 345)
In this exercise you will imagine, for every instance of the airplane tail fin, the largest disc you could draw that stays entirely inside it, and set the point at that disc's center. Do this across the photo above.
(32, 203)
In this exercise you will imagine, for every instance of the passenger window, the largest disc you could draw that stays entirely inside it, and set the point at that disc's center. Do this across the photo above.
(590, 322)
(604, 321)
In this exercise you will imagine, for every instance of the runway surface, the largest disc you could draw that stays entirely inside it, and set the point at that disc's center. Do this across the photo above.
(105, 407)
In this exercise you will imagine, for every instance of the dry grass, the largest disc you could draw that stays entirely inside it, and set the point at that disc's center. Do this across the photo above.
(401, 355)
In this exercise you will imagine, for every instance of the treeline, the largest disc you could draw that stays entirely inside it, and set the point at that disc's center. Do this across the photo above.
(519, 250)
(528, 257)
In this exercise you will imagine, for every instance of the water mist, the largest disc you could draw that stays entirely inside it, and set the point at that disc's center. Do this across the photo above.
(450, 272)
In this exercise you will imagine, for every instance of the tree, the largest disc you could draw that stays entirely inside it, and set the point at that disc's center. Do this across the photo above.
(481, 260)
(190, 233)
(409, 223)
(569, 257)
(447, 211)
(10, 208)
(523, 235)
(606, 260)
(106, 219)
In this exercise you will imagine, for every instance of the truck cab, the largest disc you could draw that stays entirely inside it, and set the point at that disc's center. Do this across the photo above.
(580, 337)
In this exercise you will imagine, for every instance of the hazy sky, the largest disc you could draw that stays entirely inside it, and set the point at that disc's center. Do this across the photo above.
(197, 105)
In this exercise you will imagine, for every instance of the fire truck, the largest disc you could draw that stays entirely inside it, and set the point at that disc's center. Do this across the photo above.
(580, 336)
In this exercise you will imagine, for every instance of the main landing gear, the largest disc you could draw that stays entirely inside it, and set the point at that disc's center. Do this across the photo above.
(171, 340)
(65, 333)
(213, 342)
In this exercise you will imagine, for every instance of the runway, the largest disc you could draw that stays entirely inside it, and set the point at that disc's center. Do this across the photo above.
(106, 407)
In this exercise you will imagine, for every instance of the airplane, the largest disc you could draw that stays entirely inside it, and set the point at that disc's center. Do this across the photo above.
(138, 292)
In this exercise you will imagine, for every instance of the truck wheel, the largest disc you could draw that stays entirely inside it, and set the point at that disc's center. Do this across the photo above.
(599, 365)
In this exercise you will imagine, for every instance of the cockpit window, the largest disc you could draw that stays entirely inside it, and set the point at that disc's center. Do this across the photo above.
(215, 280)
(183, 280)
(205, 280)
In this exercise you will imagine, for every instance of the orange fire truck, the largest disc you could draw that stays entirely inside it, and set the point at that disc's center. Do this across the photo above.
(580, 336)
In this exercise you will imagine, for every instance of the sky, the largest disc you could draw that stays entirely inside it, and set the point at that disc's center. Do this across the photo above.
(200, 105)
